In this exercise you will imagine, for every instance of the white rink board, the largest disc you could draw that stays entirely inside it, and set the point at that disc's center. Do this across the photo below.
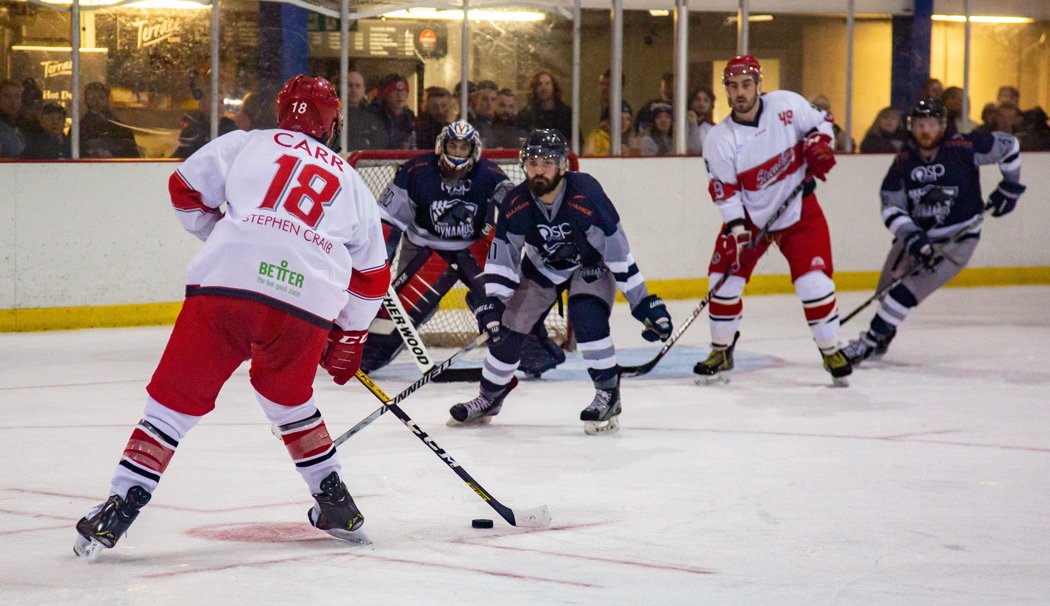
(84, 234)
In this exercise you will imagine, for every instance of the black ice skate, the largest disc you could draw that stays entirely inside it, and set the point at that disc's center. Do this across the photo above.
(336, 513)
(868, 345)
(602, 415)
(103, 526)
(481, 409)
(839, 366)
(717, 365)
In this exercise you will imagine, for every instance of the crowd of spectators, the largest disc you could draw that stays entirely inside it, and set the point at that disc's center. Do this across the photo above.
(379, 117)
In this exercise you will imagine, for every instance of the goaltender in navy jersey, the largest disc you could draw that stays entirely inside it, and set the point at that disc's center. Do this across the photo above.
(292, 237)
(582, 229)
(940, 194)
(754, 166)
(440, 213)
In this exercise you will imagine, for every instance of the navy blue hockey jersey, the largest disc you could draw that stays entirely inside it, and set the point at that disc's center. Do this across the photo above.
(441, 213)
(581, 229)
(944, 192)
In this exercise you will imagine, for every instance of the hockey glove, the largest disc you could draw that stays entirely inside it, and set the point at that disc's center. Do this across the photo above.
(490, 316)
(816, 149)
(342, 356)
(732, 243)
(919, 247)
(652, 312)
(1004, 198)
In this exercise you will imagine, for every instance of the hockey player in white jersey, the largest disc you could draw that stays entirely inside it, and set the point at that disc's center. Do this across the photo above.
(289, 276)
(763, 155)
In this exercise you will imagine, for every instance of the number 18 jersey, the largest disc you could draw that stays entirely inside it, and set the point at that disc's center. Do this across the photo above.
(301, 230)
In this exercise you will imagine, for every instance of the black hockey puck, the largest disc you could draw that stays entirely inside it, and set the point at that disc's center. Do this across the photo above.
(481, 523)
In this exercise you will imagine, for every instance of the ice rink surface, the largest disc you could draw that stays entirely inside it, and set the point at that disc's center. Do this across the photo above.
(924, 482)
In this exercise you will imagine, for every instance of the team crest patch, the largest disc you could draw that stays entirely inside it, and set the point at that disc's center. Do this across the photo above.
(818, 263)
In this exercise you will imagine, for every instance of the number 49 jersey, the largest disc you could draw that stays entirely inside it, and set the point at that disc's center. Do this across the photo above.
(301, 230)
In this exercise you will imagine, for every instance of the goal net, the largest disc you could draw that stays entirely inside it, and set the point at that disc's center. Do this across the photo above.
(453, 325)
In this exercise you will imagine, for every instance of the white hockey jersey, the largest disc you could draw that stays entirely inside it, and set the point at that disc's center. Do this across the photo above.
(301, 230)
(755, 166)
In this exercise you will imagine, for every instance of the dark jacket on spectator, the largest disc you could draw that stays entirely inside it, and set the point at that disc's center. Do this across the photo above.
(102, 132)
(559, 117)
(395, 132)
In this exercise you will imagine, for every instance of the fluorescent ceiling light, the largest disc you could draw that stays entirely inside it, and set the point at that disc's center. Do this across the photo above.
(431, 14)
(153, 4)
(23, 47)
(753, 18)
(982, 19)
(659, 12)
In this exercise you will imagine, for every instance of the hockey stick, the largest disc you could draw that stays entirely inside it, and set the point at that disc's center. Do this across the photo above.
(641, 369)
(404, 327)
(537, 517)
(427, 377)
(916, 268)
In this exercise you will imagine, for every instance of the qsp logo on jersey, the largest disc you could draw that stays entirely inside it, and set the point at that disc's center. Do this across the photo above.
(456, 188)
(453, 218)
(554, 232)
(927, 174)
(786, 116)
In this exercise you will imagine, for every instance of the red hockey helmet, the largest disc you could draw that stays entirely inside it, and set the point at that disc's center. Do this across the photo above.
(742, 65)
(309, 105)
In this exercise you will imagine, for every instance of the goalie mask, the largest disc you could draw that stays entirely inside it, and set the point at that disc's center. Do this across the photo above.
(457, 131)
(310, 106)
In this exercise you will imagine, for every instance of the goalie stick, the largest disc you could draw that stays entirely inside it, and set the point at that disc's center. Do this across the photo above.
(641, 369)
(881, 293)
(418, 350)
(537, 517)
(427, 377)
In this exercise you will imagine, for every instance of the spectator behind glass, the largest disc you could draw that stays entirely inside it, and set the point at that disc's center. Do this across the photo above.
(434, 116)
(1035, 132)
(49, 141)
(887, 134)
(28, 120)
(1008, 94)
(989, 119)
(699, 117)
(11, 141)
(658, 142)
(599, 141)
(643, 122)
(953, 106)
(506, 133)
(485, 101)
(396, 120)
(933, 89)
(843, 142)
(196, 124)
(362, 127)
(545, 109)
(456, 91)
(101, 133)
(256, 113)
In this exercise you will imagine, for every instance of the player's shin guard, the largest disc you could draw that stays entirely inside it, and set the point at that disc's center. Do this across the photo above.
(304, 434)
(893, 310)
(150, 448)
(726, 309)
(501, 362)
(817, 292)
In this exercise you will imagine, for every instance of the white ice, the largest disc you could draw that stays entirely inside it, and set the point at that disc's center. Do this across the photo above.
(925, 482)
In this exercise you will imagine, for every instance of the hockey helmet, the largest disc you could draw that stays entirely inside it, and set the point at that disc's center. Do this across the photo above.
(928, 108)
(743, 65)
(460, 130)
(545, 143)
(311, 106)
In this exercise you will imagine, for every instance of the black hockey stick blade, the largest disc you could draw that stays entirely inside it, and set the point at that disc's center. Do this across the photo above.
(536, 517)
